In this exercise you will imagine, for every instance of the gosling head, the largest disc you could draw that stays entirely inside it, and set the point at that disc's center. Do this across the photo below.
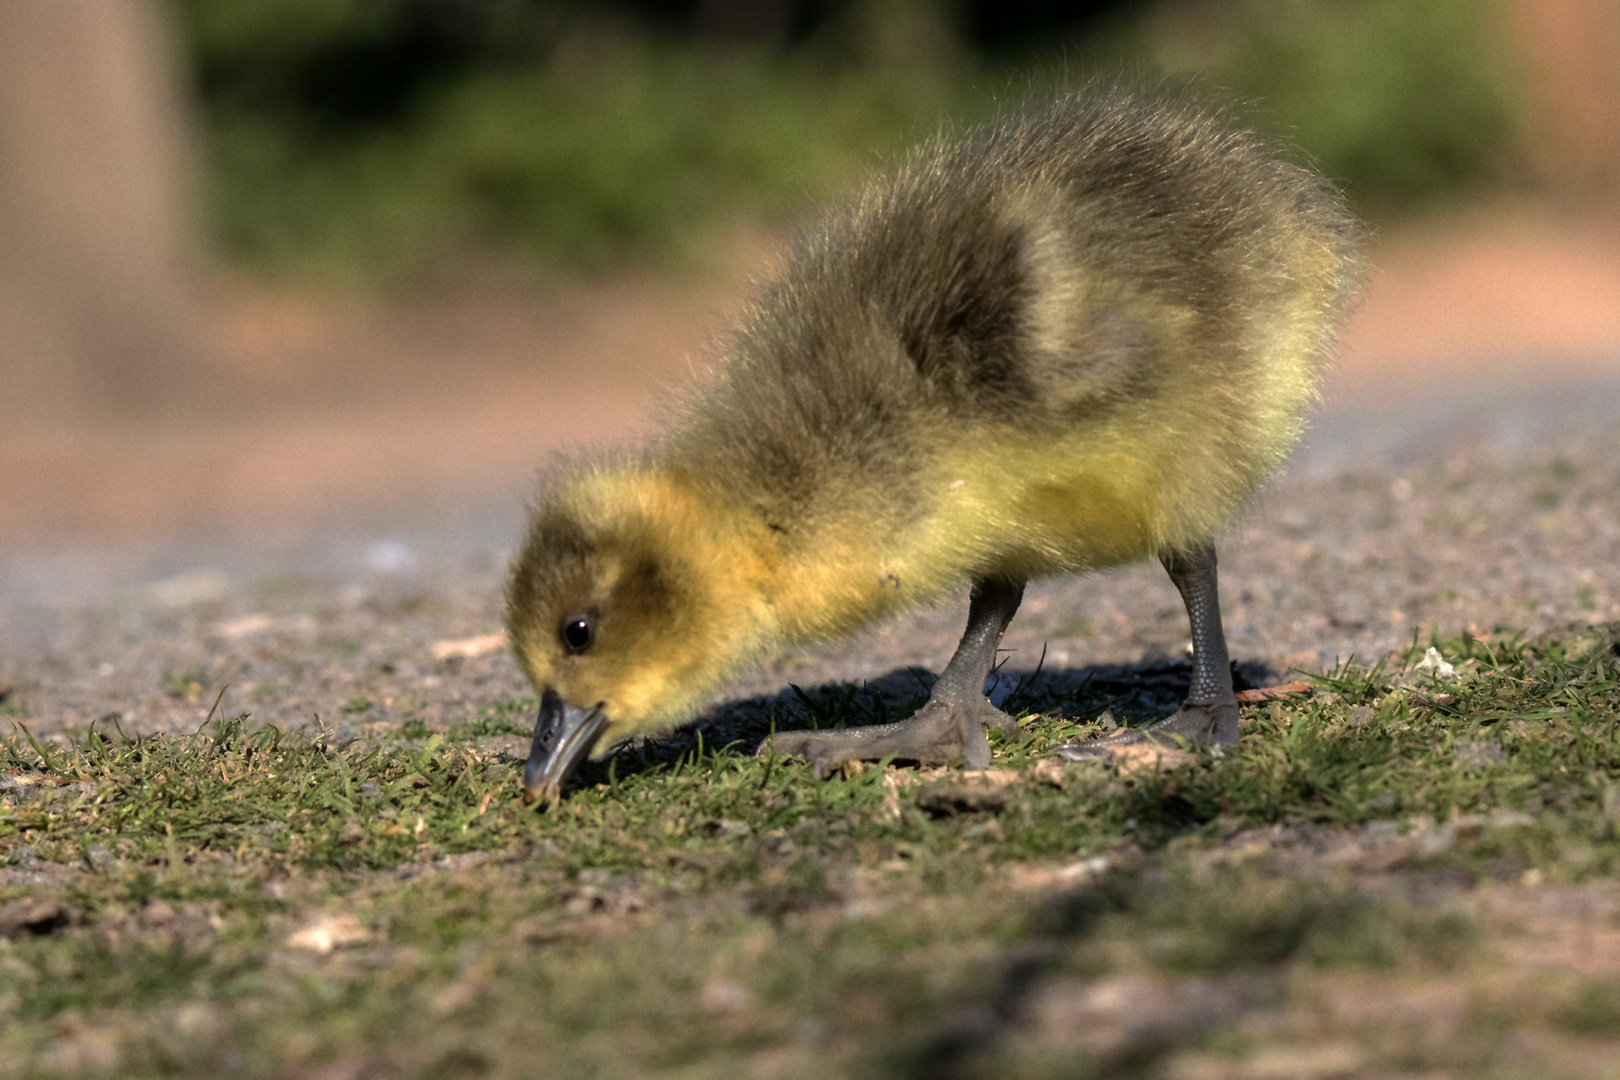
(626, 609)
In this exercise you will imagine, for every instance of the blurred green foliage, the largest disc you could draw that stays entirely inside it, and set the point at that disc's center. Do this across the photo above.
(544, 134)
(1404, 103)
(371, 140)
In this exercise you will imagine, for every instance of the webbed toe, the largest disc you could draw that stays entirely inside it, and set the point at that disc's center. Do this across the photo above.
(937, 734)
(1199, 723)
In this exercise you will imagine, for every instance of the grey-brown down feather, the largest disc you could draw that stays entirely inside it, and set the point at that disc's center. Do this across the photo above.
(945, 294)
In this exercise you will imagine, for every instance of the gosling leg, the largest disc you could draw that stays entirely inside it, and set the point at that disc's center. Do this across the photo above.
(953, 722)
(1209, 716)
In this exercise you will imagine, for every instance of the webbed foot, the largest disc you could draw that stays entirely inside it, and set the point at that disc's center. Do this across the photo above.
(939, 733)
(1200, 723)
(951, 725)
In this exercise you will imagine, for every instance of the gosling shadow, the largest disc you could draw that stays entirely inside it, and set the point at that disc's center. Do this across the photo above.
(1137, 693)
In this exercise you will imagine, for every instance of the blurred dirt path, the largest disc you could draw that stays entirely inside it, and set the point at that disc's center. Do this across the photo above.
(1504, 294)
(322, 409)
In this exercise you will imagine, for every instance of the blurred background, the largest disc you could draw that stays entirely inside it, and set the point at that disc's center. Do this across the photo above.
(275, 266)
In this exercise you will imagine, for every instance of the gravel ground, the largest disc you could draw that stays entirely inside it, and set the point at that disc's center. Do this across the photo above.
(1495, 507)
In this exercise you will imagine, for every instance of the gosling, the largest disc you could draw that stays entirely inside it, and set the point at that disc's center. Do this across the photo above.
(1081, 336)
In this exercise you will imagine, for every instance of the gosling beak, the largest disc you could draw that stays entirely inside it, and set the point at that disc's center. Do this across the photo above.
(563, 737)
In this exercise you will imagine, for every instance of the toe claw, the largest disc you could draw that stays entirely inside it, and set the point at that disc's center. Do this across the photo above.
(824, 760)
(990, 716)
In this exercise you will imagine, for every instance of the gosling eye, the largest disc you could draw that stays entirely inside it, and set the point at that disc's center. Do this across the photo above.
(577, 633)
